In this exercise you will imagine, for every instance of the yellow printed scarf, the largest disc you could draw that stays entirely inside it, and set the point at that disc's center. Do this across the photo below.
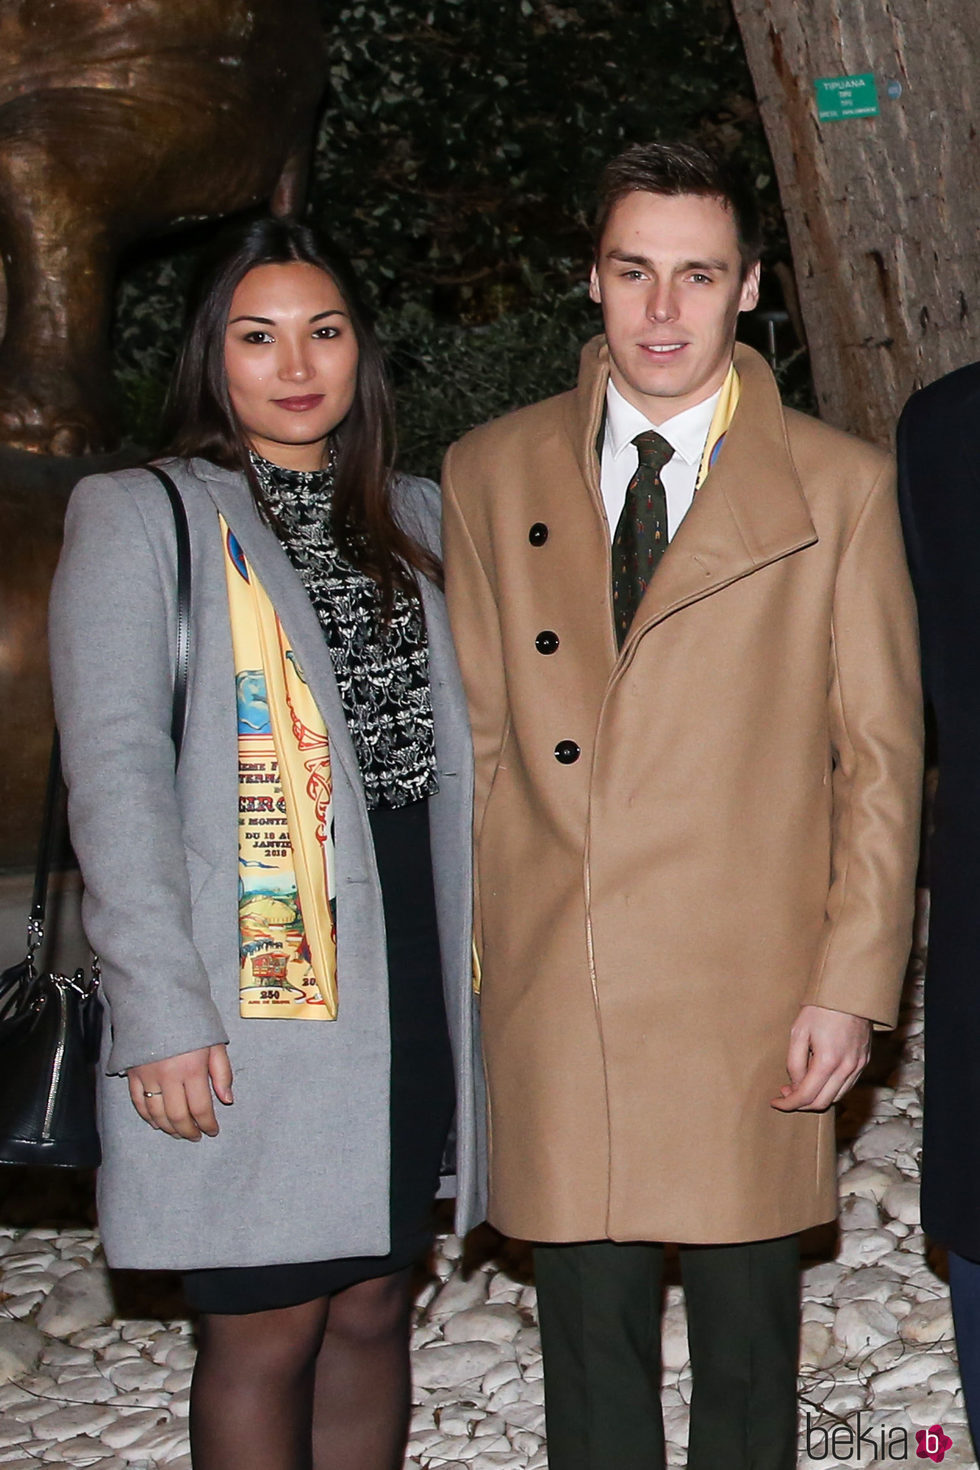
(720, 422)
(286, 887)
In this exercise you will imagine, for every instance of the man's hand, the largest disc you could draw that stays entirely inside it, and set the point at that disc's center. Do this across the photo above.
(174, 1095)
(828, 1051)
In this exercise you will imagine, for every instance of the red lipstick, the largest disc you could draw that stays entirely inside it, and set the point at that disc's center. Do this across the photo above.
(300, 404)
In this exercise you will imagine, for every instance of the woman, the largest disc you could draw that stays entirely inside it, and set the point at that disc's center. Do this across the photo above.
(325, 742)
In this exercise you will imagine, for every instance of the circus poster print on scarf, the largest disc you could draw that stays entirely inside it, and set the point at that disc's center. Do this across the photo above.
(287, 902)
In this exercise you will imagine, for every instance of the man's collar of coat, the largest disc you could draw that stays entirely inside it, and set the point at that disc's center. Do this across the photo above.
(754, 475)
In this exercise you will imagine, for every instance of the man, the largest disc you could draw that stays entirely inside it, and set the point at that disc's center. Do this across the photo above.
(696, 822)
(940, 506)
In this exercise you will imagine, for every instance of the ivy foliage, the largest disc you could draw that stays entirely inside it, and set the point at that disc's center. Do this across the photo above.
(456, 164)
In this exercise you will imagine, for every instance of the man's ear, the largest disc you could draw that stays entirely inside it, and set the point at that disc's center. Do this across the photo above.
(594, 293)
(749, 298)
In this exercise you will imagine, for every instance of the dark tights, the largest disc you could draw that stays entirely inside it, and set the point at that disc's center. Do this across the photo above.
(321, 1386)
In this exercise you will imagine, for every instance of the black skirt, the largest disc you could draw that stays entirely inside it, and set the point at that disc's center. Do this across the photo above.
(422, 1088)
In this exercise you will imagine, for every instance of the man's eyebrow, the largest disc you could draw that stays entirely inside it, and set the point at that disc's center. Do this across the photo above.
(721, 266)
(267, 321)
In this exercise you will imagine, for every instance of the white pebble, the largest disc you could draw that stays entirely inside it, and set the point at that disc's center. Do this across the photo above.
(865, 1247)
(500, 1374)
(504, 1289)
(180, 1403)
(821, 1281)
(931, 1409)
(116, 1351)
(21, 1346)
(928, 1322)
(22, 1306)
(453, 1363)
(458, 1295)
(511, 1392)
(901, 1202)
(137, 1374)
(863, 1326)
(859, 1212)
(140, 1330)
(77, 1419)
(97, 1338)
(164, 1343)
(525, 1416)
(491, 1323)
(82, 1450)
(893, 1140)
(871, 1178)
(871, 1283)
(12, 1394)
(816, 1340)
(158, 1444)
(128, 1427)
(64, 1355)
(492, 1424)
(673, 1338)
(82, 1299)
(884, 1357)
(92, 1388)
(14, 1433)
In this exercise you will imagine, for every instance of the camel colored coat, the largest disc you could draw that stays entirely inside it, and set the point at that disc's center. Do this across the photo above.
(737, 836)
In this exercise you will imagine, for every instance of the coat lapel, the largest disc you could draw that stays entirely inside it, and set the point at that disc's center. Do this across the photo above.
(231, 495)
(749, 512)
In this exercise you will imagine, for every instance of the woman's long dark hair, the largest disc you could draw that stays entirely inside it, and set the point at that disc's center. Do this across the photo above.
(200, 420)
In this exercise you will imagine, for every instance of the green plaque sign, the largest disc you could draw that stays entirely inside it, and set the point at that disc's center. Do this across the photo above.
(842, 97)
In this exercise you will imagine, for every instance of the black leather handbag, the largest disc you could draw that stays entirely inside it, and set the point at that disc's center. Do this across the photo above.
(51, 1024)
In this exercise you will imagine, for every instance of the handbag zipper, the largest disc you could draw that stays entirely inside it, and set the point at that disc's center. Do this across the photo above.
(59, 1057)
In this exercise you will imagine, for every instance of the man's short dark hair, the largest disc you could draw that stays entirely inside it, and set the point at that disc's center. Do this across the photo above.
(682, 168)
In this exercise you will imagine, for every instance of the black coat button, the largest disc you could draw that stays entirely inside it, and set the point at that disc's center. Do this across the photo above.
(567, 752)
(546, 642)
(538, 534)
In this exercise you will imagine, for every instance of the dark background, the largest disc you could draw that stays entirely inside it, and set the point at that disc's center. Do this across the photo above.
(456, 164)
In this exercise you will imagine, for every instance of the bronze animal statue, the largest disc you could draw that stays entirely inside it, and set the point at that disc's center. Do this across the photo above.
(120, 119)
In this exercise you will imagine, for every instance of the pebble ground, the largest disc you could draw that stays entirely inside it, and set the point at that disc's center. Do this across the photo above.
(98, 1376)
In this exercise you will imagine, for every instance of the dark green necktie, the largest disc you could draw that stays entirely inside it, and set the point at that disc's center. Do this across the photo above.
(641, 535)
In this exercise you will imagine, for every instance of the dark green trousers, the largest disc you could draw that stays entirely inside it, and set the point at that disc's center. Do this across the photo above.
(599, 1305)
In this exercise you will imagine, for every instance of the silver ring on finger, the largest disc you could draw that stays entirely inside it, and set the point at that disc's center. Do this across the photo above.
(151, 1094)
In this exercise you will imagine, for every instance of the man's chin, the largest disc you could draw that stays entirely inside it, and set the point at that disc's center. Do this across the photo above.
(658, 384)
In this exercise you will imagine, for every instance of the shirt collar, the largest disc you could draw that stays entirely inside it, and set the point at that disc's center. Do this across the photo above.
(686, 432)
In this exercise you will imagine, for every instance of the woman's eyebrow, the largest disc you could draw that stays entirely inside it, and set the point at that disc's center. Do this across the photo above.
(266, 321)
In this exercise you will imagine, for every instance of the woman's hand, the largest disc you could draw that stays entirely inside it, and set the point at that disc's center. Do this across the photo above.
(175, 1095)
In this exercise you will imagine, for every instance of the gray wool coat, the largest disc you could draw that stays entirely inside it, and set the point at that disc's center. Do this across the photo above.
(300, 1169)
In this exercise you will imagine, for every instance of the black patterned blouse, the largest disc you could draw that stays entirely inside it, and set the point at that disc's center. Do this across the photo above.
(382, 669)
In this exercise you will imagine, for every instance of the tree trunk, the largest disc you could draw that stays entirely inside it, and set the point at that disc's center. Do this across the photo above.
(883, 212)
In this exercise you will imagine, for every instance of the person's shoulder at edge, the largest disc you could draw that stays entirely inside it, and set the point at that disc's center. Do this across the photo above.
(518, 427)
(951, 400)
(136, 480)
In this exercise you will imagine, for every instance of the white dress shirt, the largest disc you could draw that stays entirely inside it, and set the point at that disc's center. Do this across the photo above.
(687, 432)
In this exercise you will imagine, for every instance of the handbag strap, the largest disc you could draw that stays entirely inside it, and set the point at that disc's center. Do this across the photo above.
(182, 663)
(39, 898)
